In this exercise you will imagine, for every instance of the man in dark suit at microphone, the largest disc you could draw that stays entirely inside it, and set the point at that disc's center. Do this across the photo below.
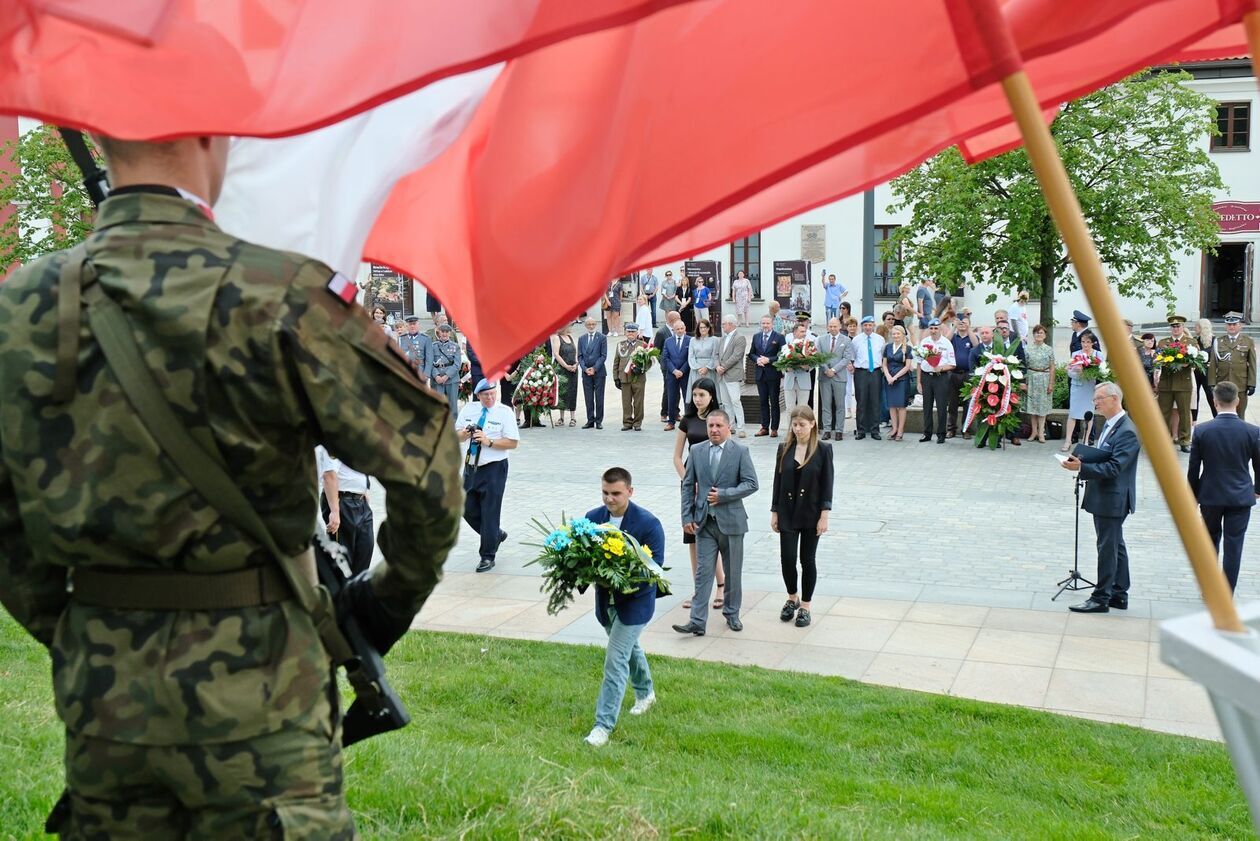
(1111, 470)
(1220, 451)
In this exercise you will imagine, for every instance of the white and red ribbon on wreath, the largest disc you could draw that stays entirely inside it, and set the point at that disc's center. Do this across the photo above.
(998, 367)
(539, 396)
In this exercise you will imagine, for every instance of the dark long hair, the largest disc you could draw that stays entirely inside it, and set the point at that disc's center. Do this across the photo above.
(706, 384)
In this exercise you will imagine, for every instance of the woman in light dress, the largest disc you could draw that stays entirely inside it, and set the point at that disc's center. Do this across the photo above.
(741, 291)
(703, 355)
(1081, 394)
(1040, 382)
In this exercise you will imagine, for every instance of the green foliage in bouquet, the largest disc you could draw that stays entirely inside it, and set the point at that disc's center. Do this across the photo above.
(580, 553)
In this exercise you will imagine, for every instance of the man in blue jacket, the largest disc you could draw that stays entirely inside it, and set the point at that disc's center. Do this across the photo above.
(1110, 467)
(624, 615)
(1220, 451)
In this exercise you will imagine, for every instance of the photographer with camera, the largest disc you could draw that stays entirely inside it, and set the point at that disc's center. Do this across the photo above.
(487, 430)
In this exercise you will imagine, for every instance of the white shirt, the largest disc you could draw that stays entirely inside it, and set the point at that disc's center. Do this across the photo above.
(500, 423)
(1109, 427)
(349, 480)
(946, 348)
(616, 521)
(859, 350)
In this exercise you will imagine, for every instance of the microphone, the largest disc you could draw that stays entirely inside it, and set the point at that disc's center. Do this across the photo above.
(1089, 416)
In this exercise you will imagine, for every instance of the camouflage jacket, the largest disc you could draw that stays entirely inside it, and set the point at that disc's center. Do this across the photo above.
(258, 356)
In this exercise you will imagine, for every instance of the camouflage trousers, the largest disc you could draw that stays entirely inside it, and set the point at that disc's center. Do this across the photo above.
(286, 784)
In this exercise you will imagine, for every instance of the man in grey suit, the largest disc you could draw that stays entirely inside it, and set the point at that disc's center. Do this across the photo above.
(719, 475)
(1221, 451)
(730, 370)
(833, 380)
(1110, 467)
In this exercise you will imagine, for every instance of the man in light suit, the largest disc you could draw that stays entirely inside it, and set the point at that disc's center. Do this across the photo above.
(833, 380)
(719, 475)
(730, 370)
(1220, 451)
(764, 350)
(592, 359)
(1110, 467)
(674, 362)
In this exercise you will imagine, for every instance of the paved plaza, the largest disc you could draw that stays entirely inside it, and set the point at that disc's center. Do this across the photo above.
(937, 574)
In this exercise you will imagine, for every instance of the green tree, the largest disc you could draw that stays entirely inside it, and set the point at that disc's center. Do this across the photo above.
(1136, 153)
(51, 207)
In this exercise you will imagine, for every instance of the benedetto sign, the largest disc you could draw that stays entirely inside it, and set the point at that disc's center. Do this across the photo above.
(1238, 216)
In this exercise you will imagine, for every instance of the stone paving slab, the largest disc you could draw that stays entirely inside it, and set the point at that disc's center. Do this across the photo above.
(937, 574)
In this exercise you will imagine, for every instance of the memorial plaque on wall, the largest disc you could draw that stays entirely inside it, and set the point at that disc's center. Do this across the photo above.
(791, 284)
(814, 243)
(709, 271)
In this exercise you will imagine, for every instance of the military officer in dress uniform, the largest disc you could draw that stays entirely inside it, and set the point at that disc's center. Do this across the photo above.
(412, 343)
(197, 697)
(1174, 387)
(441, 365)
(1080, 324)
(632, 383)
(1233, 359)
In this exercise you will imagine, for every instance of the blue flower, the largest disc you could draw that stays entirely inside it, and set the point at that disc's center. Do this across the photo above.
(557, 541)
(583, 527)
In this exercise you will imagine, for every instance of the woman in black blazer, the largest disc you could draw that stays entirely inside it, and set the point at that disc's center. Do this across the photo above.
(803, 476)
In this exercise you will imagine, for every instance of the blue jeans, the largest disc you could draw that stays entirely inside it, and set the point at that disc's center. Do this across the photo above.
(625, 660)
(832, 312)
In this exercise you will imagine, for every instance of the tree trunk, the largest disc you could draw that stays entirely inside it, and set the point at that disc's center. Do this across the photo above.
(1046, 271)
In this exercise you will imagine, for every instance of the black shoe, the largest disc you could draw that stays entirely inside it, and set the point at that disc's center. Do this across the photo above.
(858, 436)
(626, 428)
(734, 624)
(598, 425)
(1090, 606)
(940, 440)
(925, 439)
(1184, 448)
(588, 424)
(875, 437)
(789, 610)
(502, 536)
(689, 628)
(802, 618)
(486, 565)
(1119, 602)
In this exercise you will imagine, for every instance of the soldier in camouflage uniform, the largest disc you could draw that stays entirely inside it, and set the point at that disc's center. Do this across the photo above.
(183, 722)
(1174, 387)
(632, 384)
(412, 343)
(1233, 359)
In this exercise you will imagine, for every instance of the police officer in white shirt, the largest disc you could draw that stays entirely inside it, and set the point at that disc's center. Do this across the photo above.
(347, 512)
(866, 352)
(487, 430)
(934, 381)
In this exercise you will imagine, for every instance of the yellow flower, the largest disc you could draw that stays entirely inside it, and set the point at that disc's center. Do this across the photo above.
(1181, 356)
(615, 545)
(647, 550)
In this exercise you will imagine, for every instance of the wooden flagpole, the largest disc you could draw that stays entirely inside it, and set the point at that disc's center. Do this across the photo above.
(1066, 210)
(1251, 23)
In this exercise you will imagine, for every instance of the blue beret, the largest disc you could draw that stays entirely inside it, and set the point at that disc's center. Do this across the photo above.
(868, 319)
(935, 322)
(484, 385)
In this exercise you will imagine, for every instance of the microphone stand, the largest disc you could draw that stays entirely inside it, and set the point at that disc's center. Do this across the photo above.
(1075, 581)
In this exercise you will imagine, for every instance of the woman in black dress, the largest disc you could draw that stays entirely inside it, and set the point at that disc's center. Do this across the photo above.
(686, 305)
(692, 429)
(564, 351)
(803, 477)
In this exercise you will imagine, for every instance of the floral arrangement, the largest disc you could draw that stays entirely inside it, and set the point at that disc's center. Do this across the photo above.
(930, 353)
(465, 380)
(1176, 355)
(1090, 368)
(580, 553)
(537, 386)
(993, 394)
(799, 356)
(641, 358)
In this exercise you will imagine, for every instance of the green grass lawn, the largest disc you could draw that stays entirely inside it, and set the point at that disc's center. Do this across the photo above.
(495, 751)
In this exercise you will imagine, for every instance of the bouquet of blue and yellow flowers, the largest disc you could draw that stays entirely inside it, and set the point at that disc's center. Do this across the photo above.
(580, 553)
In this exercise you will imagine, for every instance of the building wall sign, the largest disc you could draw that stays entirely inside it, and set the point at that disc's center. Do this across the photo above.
(1238, 216)
(814, 243)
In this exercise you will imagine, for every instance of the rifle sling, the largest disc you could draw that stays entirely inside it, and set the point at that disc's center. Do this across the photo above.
(112, 330)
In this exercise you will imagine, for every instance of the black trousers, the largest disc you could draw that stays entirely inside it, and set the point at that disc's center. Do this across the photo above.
(1113, 558)
(665, 378)
(356, 532)
(593, 391)
(808, 541)
(957, 406)
(867, 388)
(675, 390)
(1200, 382)
(1230, 523)
(483, 503)
(768, 390)
(935, 403)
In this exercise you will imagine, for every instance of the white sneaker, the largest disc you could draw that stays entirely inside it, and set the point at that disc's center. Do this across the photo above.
(642, 705)
(743, 434)
(597, 738)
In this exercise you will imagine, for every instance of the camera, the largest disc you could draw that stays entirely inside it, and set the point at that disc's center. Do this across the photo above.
(471, 429)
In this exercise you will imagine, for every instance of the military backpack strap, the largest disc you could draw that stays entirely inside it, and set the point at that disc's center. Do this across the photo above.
(112, 330)
(69, 318)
